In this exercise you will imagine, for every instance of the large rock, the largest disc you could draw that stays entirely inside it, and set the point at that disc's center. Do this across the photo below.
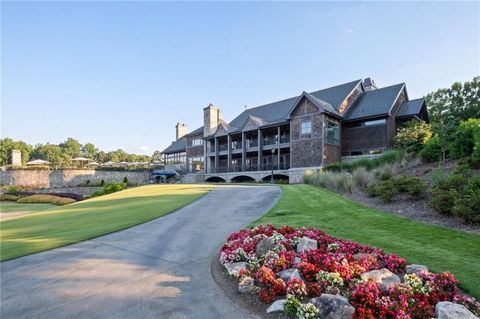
(333, 307)
(288, 274)
(276, 306)
(415, 269)
(234, 268)
(246, 285)
(306, 243)
(360, 256)
(450, 310)
(264, 246)
(383, 277)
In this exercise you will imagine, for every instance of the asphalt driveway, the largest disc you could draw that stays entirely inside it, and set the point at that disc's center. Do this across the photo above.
(160, 269)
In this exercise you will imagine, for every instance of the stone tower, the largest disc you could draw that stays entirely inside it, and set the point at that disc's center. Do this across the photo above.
(211, 119)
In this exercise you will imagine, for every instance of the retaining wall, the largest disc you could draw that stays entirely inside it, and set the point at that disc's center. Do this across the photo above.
(68, 177)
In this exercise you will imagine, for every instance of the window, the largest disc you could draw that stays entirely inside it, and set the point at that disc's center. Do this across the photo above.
(375, 122)
(197, 141)
(333, 133)
(306, 127)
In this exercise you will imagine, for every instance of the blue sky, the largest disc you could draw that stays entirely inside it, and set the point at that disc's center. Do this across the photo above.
(121, 74)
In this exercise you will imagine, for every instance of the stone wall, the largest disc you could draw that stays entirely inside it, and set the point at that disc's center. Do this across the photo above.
(38, 178)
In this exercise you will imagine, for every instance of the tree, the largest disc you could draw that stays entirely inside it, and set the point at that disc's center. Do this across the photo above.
(89, 150)
(101, 157)
(52, 153)
(157, 156)
(452, 105)
(413, 135)
(71, 147)
(6, 147)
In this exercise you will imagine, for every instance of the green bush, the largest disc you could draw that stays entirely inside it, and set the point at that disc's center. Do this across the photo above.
(442, 201)
(125, 180)
(337, 182)
(466, 141)
(362, 178)
(108, 189)
(413, 135)
(432, 150)
(102, 183)
(9, 197)
(12, 189)
(468, 207)
(387, 189)
(44, 198)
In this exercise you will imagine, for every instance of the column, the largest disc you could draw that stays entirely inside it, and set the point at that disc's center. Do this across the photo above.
(216, 153)
(229, 152)
(244, 154)
(278, 147)
(260, 142)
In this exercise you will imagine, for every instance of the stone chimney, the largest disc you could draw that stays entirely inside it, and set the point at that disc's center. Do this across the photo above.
(181, 130)
(369, 84)
(16, 157)
(211, 119)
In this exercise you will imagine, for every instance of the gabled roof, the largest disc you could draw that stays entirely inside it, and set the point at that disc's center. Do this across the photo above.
(279, 111)
(176, 146)
(410, 108)
(320, 104)
(374, 103)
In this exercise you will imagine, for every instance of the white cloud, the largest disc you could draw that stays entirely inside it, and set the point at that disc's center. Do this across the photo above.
(348, 31)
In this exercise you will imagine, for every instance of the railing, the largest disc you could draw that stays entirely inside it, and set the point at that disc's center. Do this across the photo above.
(222, 147)
(251, 143)
(270, 141)
(249, 168)
(268, 167)
(284, 139)
(236, 145)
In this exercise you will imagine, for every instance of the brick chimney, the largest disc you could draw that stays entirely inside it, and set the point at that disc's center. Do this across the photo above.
(211, 119)
(369, 84)
(181, 130)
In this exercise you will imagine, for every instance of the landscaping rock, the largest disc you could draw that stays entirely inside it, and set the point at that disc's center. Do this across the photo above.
(333, 307)
(246, 285)
(306, 243)
(234, 268)
(276, 306)
(288, 274)
(383, 277)
(360, 256)
(415, 269)
(450, 310)
(297, 260)
(264, 246)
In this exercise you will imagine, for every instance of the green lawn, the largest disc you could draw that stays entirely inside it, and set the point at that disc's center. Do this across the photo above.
(92, 218)
(7, 207)
(439, 248)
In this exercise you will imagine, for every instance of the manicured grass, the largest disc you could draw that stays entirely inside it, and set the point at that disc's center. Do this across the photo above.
(6, 207)
(92, 218)
(439, 248)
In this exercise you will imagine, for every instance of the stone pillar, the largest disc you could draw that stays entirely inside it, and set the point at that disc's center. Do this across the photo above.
(229, 152)
(244, 151)
(260, 143)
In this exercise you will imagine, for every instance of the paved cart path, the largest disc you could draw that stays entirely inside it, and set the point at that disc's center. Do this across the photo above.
(160, 269)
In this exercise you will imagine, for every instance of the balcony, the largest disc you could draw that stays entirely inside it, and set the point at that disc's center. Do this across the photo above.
(222, 147)
(251, 143)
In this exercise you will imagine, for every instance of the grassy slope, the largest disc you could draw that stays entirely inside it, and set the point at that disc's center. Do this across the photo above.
(91, 218)
(7, 207)
(439, 248)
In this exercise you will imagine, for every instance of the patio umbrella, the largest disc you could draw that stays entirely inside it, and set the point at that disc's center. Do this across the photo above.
(82, 159)
(92, 164)
(38, 162)
(109, 163)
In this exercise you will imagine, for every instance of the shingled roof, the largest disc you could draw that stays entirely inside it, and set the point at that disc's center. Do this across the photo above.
(176, 146)
(195, 132)
(279, 111)
(374, 103)
(410, 108)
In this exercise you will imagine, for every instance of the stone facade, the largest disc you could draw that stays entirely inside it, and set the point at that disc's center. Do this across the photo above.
(306, 149)
(42, 178)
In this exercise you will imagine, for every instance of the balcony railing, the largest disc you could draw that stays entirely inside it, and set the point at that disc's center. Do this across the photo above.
(249, 168)
(251, 143)
(222, 147)
(284, 139)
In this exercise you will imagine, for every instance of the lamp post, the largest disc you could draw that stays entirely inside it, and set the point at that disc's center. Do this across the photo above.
(271, 177)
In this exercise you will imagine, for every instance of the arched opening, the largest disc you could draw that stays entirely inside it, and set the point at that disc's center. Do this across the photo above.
(215, 179)
(277, 179)
(243, 179)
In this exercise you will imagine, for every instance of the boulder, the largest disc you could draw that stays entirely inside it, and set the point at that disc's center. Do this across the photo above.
(360, 256)
(306, 243)
(383, 277)
(246, 285)
(297, 260)
(264, 246)
(333, 307)
(288, 274)
(234, 268)
(415, 269)
(450, 310)
(276, 306)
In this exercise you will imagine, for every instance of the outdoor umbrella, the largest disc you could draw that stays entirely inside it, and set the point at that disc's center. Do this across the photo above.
(38, 162)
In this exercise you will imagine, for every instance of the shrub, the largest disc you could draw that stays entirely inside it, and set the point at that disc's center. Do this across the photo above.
(291, 306)
(432, 150)
(413, 135)
(44, 198)
(466, 141)
(125, 180)
(362, 178)
(389, 157)
(337, 182)
(438, 174)
(468, 207)
(108, 189)
(102, 183)
(12, 189)
(9, 197)
(442, 201)
(387, 189)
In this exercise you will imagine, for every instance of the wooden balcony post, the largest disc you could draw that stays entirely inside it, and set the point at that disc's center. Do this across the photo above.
(278, 147)
(260, 143)
(229, 152)
(244, 151)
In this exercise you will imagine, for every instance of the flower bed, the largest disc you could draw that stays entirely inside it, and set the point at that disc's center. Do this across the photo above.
(304, 263)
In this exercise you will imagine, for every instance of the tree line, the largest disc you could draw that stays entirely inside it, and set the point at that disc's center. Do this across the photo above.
(62, 154)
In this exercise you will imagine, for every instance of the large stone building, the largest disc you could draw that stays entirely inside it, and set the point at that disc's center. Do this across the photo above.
(305, 131)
